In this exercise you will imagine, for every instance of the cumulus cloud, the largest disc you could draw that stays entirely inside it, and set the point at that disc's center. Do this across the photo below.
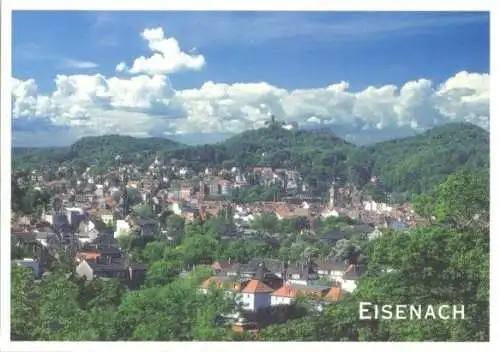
(99, 104)
(145, 103)
(167, 58)
(79, 64)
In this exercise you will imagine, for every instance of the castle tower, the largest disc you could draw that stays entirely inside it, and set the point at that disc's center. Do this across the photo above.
(331, 201)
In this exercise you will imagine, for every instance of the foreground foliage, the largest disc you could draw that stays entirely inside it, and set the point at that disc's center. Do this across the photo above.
(446, 262)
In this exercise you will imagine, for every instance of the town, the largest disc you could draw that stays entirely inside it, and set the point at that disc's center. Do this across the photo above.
(227, 176)
(89, 213)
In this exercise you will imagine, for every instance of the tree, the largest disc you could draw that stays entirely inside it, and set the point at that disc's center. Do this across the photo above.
(175, 312)
(267, 222)
(98, 294)
(24, 310)
(162, 272)
(464, 199)
(424, 205)
(144, 211)
(200, 249)
(236, 250)
(294, 224)
(60, 315)
(153, 251)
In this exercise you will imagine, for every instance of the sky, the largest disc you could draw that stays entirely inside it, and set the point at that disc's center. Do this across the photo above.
(202, 76)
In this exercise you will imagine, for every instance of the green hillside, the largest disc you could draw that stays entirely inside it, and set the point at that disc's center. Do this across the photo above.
(91, 150)
(413, 165)
(417, 164)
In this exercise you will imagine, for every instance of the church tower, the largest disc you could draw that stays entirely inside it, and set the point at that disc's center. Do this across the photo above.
(124, 194)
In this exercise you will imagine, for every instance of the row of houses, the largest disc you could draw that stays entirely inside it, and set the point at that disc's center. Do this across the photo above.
(264, 283)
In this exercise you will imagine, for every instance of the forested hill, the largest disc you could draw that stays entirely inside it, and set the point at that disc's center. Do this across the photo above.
(418, 163)
(124, 146)
(89, 150)
(412, 165)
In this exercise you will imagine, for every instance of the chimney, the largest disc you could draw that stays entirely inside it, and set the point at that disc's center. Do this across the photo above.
(109, 260)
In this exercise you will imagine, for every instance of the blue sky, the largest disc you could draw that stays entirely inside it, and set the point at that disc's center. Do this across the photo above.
(288, 51)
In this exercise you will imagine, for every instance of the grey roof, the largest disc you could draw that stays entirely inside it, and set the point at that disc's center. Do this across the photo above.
(138, 266)
(272, 265)
(23, 236)
(60, 220)
(354, 272)
(105, 240)
(330, 264)
(116, 264)
(299, 268)
(226, 266)
(98, 267)
(105, 251)
(310, 287)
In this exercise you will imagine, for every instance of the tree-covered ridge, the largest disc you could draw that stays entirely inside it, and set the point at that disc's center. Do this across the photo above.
(410, 165)
(89, 150)
(122, 144)
(419, 163)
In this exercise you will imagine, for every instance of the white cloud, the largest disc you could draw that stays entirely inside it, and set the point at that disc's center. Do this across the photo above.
(144, 104)
(167, 58)
(121, 67)
(79, 64)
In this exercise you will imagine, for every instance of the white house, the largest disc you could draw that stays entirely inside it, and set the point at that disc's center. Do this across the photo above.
(122, 228)
(74, 214)
(176, 208)
(376, 207)
(349, 284)
(253, 295)
(350, 278)
(256, 295)
(284, 296)
(107, 218)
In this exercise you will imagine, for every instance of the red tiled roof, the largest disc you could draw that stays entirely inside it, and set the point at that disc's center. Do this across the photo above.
(256, 286)
(286, 291)
(290, 291)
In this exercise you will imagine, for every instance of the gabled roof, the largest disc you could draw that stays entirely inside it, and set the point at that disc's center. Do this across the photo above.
(286, 291)
(291, 290)
(226, 266)
(256, 286)
(331, 264)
